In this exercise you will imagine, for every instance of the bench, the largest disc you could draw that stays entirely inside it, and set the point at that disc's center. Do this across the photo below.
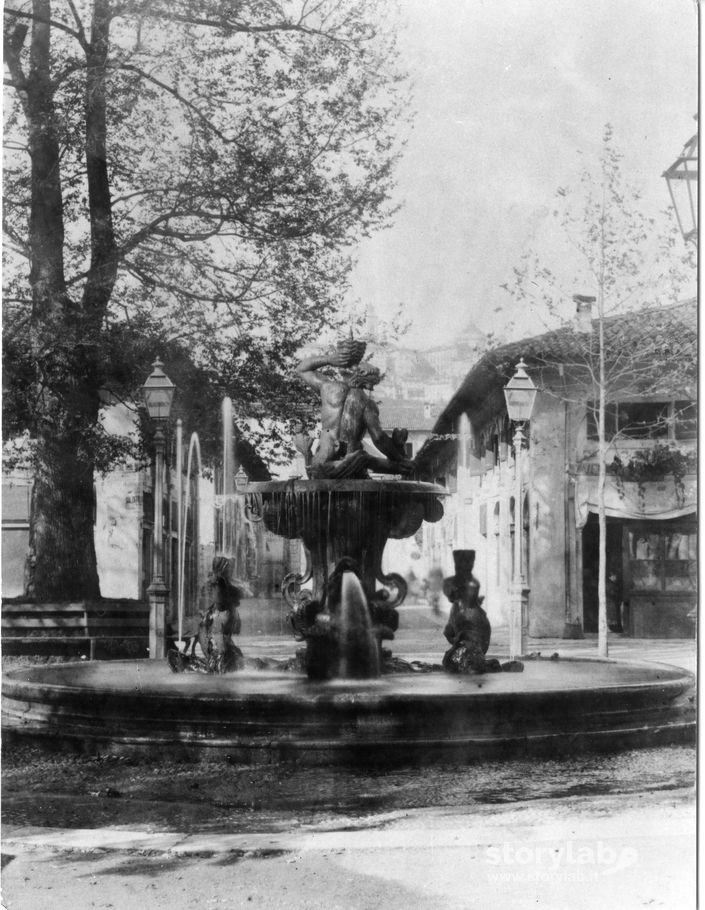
(85, 628)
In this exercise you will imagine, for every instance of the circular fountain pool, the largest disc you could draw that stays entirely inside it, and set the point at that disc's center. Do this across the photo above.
(567, 705)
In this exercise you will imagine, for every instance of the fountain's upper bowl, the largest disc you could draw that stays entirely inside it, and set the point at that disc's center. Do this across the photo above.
(350, 515)
(300, 485)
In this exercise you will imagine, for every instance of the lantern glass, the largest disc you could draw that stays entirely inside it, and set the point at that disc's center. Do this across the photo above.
(682, 180)
(158, 393)
(520, 394)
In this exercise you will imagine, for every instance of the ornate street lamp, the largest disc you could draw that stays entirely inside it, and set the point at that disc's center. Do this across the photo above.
(520, 395)
(158, 393)
(682, 180)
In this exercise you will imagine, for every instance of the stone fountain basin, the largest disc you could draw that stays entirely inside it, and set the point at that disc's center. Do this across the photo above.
(372, 485)
(565, 706)
(345, 518)
(361, 513)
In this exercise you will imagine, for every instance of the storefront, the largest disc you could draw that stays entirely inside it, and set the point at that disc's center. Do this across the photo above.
(660, 577)
(652, 546)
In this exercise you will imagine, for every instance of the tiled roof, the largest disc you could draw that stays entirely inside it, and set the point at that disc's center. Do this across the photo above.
(665, 335)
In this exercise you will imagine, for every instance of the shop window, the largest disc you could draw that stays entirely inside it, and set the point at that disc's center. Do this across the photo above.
(637, 419)
(643, 419)
(662, 559)
(685, 417)
(610, 420)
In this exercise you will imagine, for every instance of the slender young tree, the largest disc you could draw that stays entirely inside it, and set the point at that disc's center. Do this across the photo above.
(626, 262)
(192, 172)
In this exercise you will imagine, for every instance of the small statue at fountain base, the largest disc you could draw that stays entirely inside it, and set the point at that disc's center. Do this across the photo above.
(468, 629)
(219, 653)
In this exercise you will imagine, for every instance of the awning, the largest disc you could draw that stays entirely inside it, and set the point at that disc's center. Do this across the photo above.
(658, 500)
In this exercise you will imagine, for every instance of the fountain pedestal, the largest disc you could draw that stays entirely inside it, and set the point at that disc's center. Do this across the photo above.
(338, 520)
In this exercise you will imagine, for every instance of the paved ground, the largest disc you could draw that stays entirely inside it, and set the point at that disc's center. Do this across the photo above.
(421, 636)
(594, 832)
(582, 852)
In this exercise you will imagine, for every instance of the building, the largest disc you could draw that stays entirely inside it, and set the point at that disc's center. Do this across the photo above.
(124, 536)
(650, 491)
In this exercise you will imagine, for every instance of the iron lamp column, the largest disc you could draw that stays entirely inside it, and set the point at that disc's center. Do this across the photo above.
(158, 392)
(520, 395)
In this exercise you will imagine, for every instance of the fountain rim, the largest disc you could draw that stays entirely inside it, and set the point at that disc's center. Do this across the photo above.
(302, 485)
(662, 675)
(316, 723)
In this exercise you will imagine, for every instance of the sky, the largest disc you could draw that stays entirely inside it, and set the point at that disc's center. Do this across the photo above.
(511, 101)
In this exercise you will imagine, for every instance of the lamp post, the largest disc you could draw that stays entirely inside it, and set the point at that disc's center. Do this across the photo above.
(158, 392)
(682, 180)
(520, 395)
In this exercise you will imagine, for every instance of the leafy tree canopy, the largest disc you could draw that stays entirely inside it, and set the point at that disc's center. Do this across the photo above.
(185, 178)
(246, 146)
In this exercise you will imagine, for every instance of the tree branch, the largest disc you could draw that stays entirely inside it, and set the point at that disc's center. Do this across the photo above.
(130, 67)
(44, 20)
(64, 73)
(12, 45)
(103, 266)
(81, 33)
(234, 25)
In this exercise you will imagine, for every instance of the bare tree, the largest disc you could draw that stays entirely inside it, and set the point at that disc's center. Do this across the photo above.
(629, 264)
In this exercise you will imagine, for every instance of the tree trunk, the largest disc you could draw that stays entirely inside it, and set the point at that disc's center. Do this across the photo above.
(65, 332)
(602, 646)
(61, 536)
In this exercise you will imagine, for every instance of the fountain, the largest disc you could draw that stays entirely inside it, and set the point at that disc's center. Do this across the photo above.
(339, 704)
(339, 520)
(344, 514)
